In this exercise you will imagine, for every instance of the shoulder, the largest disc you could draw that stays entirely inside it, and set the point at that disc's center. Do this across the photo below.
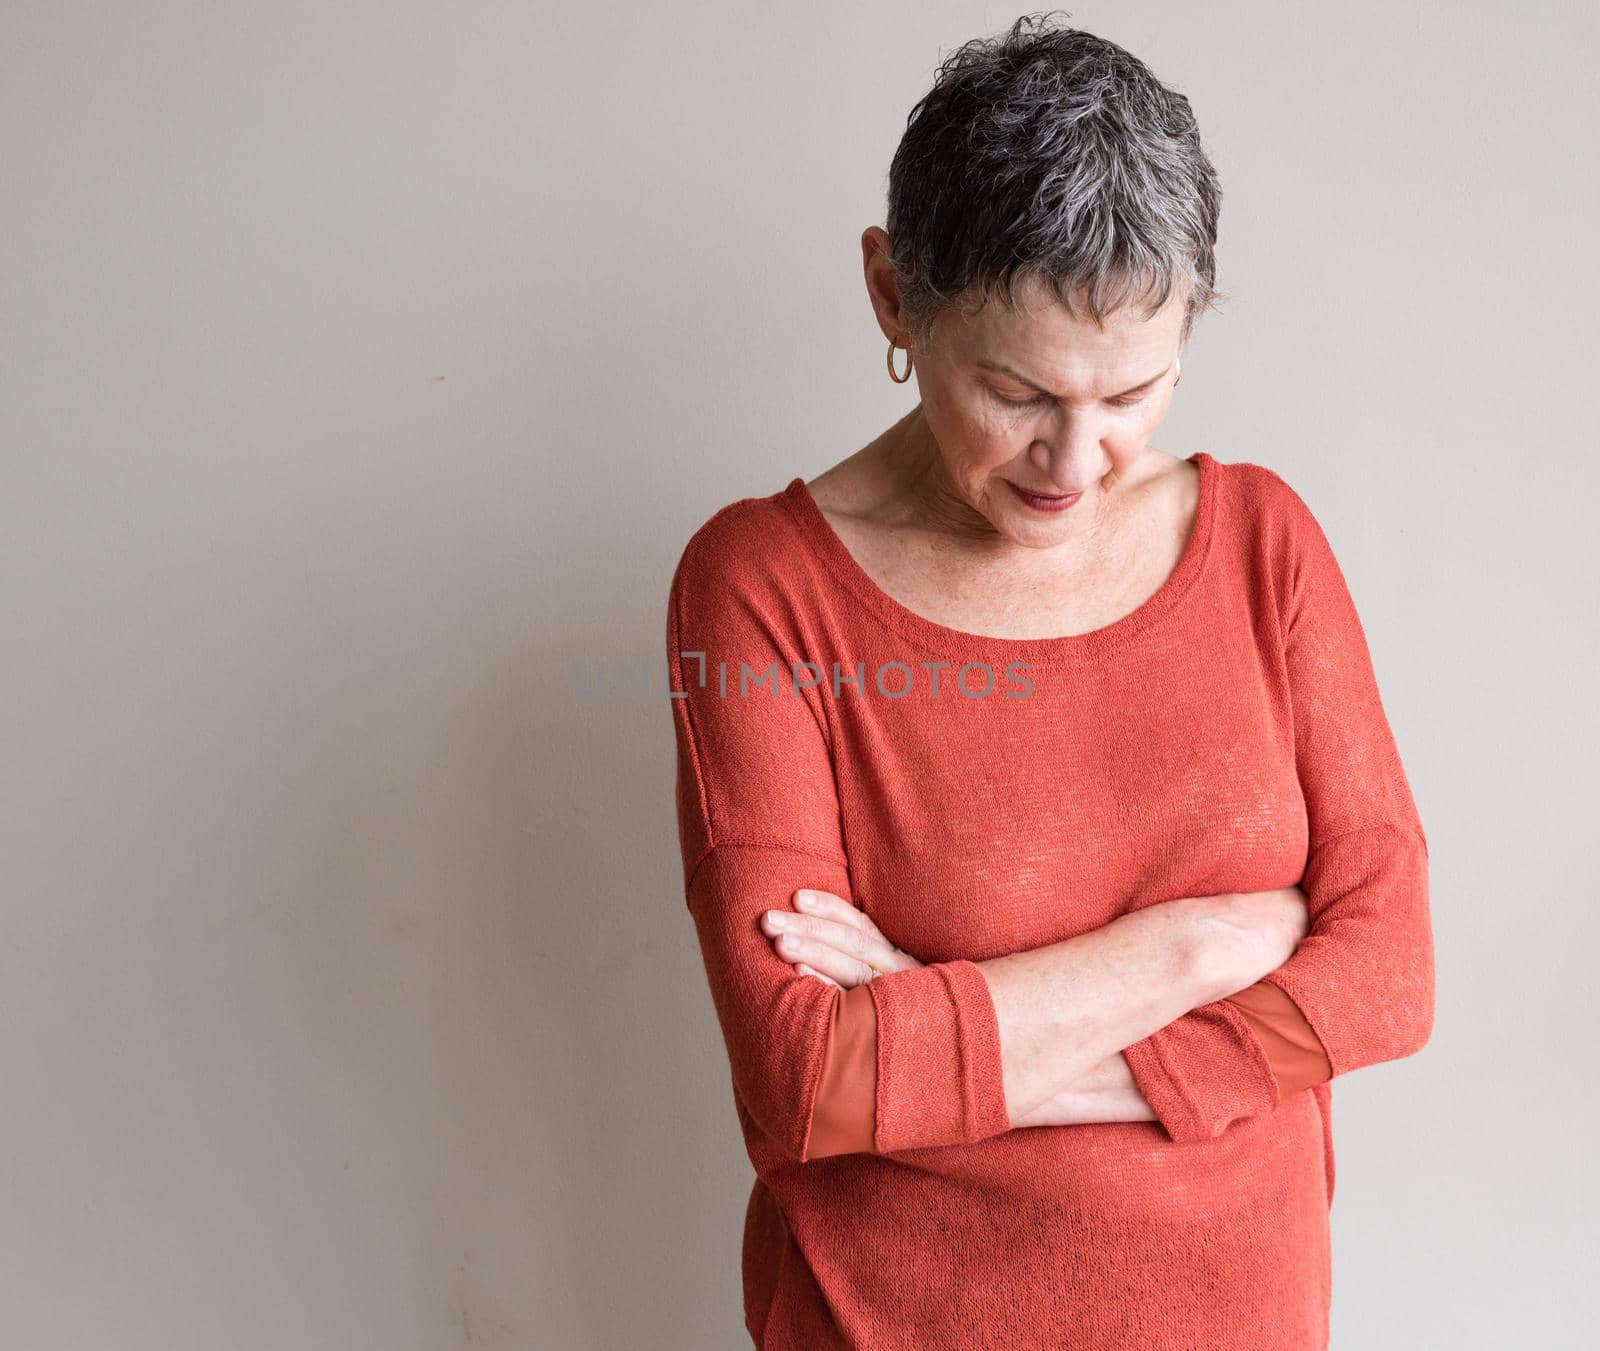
(1263, 492)
(1269, 511)
(739, 557)
(1279, 543)
(740, 541)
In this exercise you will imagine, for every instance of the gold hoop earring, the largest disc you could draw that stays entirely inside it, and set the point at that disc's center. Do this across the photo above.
(898, 379)
(1179, 375)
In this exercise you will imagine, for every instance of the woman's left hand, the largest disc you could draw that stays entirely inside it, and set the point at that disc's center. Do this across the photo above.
(826, 936)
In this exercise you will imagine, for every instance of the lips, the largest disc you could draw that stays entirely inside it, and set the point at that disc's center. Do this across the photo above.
(1051, 502)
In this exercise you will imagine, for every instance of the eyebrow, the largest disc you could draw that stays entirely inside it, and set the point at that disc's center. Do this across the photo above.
(1022, 379)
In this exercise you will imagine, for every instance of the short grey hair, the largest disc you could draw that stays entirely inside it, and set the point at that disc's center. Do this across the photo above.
(1049, 155)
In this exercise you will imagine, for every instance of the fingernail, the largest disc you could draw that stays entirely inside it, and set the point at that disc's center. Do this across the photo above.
(802, 898)
(775, 918)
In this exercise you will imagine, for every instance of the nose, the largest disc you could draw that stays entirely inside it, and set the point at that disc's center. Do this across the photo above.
(1072, 468)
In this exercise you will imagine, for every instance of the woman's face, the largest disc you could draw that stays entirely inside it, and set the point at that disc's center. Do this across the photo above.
(1046, 403)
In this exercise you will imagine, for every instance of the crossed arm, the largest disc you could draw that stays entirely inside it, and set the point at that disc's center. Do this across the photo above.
(1162, 961)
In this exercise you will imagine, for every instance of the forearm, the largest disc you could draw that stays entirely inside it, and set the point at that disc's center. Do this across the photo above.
(1112, 1091)
(1066, 1009)
(1108, 1092)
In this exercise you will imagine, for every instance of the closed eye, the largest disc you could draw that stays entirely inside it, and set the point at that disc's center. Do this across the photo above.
(1044, 398)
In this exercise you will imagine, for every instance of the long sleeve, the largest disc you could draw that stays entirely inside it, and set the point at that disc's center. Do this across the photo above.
(1363, 977)
(758, 818)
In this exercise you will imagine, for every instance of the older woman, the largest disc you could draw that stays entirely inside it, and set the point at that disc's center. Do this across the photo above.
(1046, 841)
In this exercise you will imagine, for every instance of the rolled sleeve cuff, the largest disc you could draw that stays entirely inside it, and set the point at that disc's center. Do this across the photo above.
(940, 1077)
(1203, 1071)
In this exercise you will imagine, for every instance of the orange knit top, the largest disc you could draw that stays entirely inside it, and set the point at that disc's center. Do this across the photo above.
(978, 796)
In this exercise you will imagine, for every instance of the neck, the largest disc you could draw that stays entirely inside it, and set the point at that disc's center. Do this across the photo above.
(916, 473)
(915, 490)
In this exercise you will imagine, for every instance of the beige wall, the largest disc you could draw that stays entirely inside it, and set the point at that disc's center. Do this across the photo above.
(365, 367)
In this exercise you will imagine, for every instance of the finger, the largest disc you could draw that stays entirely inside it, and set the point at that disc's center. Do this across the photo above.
(805, 970)
(863, 944)
(825, 905)
(840, 967)
(845, 952)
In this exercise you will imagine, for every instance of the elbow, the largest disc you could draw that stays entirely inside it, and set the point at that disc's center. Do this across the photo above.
(1398, 1005)
(1389, 1016)
(1407, 1040)
(1420, 1031)
(1406, 1024)
(784, 1133)
(1417, 1027)
(821, 1103)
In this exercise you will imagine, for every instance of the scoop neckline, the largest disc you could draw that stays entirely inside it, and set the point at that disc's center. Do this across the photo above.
(958, 644)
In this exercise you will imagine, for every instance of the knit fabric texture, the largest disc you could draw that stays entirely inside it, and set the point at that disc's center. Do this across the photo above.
(978, 796)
